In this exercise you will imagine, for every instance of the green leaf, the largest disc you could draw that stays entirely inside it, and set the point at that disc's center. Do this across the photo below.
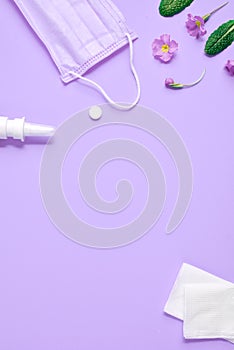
(168, 8)
(220, 39)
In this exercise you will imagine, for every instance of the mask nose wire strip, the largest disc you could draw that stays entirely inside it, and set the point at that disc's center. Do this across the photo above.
(103, 92)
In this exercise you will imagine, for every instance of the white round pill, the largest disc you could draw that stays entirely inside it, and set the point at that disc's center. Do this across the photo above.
(95, 112)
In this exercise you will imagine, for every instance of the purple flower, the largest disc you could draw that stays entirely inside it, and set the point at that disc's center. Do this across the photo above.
(195, 26)
(164, 48)
(230, 67)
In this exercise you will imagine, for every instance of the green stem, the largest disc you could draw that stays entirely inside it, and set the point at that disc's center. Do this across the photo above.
(176, 86)
(207, 16)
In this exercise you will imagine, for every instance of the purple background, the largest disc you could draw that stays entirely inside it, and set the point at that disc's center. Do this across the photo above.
(58, 295)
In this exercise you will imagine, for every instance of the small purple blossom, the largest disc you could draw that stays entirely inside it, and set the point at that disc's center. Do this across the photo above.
(169, 82)
(230, 67)
(164, 48)
(195, 26)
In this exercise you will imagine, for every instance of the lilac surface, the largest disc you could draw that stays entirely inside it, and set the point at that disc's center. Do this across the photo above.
(58, 295)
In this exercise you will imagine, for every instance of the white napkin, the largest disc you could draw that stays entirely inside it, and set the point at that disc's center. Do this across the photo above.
(189, 274)
(209, 311)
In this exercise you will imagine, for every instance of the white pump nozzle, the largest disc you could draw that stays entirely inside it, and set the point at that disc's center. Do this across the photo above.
(19, 129)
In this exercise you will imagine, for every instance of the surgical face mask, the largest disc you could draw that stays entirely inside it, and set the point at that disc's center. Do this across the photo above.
(79, 34)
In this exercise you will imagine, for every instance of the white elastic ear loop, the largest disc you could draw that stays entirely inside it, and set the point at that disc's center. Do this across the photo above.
(133, 70)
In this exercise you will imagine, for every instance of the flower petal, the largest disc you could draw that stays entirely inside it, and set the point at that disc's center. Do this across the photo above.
(203, 31)
(191, 17)
(157, 43)
(190, 25)
(156, 47)
(173, 46)
(166, 57)
(194, 32)
(165, 38)
(230, 66)
(157, 54)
